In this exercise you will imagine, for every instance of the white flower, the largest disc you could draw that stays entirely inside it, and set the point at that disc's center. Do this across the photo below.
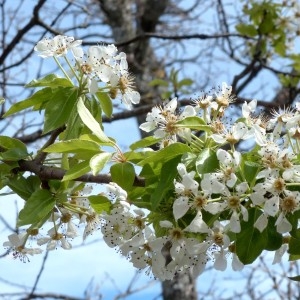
(164, 119)
(224, 97)
(248, 108)
(58, 46)
(220, 260)
(237, 265)
(211, 184)
(232, 136)
(92, 223)
(279, 253)
(116, 192)
(16, 244)
(54, 240)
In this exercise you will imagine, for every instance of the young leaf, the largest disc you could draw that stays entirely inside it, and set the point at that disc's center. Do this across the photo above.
(11, 143)
(77, 171)
(58, 110)
(100, 203)
(123, 174)
(250, 242)
(40, 203)
(24, 187)
(294, 246)
(106, 103)
(166, 181)
(73, 146)
(88, 119)
(295, 278)
(145, 142)
(207, 161)
(98, 161)
(196, 123)
(166, 154)
(37, 98)
(50, 80)
(157, 81)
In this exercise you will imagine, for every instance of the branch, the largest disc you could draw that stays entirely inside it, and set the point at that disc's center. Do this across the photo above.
(38, 276)
(47, 173)
(148, 35)
(22, 32)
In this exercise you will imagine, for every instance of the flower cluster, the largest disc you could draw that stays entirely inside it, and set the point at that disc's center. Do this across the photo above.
(198, 204)
(100, 64)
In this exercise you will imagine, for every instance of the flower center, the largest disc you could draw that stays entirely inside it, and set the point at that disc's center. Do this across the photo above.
(288, 204)
(279, 185)
(218, 238)
(233, 202)
(176, 233)
(199, 202)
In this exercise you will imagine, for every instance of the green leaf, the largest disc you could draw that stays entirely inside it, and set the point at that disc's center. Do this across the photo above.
(165, 154)
(105, 103)
(183, 82)
(246, 29)
(250, 242)
(77, 170)
(12, 149)
(123, 174)
(294, 246)
(88, 119)
(10, 143)
(51, 80)
(295, 278)
(98, 161)
(157, 81)
(207, 161)
(165, 182)
(24, 187)
(250, 170)
(145, 142)
(196, 123)
(40, 203)
(13, 154)
(100, 204)
(73, 146)
(37, 98)
(274, 238)
(58, 110)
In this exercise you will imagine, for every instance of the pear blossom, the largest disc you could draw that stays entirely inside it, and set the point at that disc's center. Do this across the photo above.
(58, 46)
(249, 108)
(164, 119)
(232, 136)
(16, 244)
(279, 253)
(54, 240)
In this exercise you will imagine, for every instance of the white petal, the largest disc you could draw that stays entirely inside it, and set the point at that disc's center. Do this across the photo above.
(180, 207)
(220, 261)
(166, 224)
(197, 225)
(271, 206)
(279, 253)
(261, 222)
(237, 265)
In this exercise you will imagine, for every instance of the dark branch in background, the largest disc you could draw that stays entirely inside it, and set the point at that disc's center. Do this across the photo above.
(48, 173)
(38, 276)
(148, 35)
(22, 32)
